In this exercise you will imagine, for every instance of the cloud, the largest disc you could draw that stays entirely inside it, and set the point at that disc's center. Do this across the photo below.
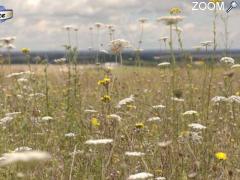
(38, 23)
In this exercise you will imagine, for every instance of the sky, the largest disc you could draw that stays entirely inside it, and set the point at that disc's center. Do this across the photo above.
(37, 24)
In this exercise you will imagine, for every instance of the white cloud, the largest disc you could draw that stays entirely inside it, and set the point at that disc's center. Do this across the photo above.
(37, 23)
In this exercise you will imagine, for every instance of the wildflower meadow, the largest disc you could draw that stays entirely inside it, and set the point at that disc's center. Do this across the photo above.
(168, 121)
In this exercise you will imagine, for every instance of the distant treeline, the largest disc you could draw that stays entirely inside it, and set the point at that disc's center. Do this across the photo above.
(148, 56)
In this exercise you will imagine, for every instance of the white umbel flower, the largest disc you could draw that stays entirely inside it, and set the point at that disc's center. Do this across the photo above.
(12, 114)
(197, 126)
(99, 141)
(218, 99)
(90, 111)
(154, 119)
(191, 112)
(60, 60)
(160, 178)
(170, 20)
(118, 45)
(165, 144)
(163, 38)
(115, 116)
(177, 99)
(22, 80)
(142, 175)
(19, 74)
(6, 120)
(235, 66)
(227, 60)
(26, 156)
(206, 43)
(70, 135)
(22, 149)
(164, 64)
(134, 154)
(47, 118)
(159, 107)
(125, 101)
(234, 99)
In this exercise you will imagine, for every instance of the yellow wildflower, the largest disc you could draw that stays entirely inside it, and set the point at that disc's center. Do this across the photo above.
(95, 122)
(105, 81)
(175, 11)
(106, 98)
(25, 51)
(139, 125)
(221, 155)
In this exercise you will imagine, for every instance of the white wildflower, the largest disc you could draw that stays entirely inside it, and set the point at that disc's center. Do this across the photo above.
(60, 60)
(177, 99)
(154, 119)
(116, 117)
(197, 126)
(22, 149)
(170, 20)
(142, 175)
(165, 143)
(235, 66)
(26, 156)
(12, 114)
(234, 99)
(227, 60)
(206, 43)
(13, 75)
(164, 64)
(6, 120)
(218, 99)
(159, 107)
(7, 40)
(191, 112)
(164, 38)
(46, 118)
(118, 45)
(160, 178)
(22, 80)
(134, 154)
(125, 101)
(90, 111)
(37, 95)
(99, 141)
(19, 74)
(70, 135)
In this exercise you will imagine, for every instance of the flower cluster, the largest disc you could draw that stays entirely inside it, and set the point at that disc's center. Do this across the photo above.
(175, 11)
(25, 51)
(105, 82)
(221, 156)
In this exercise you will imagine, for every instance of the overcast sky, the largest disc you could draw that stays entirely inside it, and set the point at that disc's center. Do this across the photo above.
(37, 24)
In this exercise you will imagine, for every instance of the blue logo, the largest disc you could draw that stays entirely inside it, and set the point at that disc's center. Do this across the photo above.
(5, 14)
